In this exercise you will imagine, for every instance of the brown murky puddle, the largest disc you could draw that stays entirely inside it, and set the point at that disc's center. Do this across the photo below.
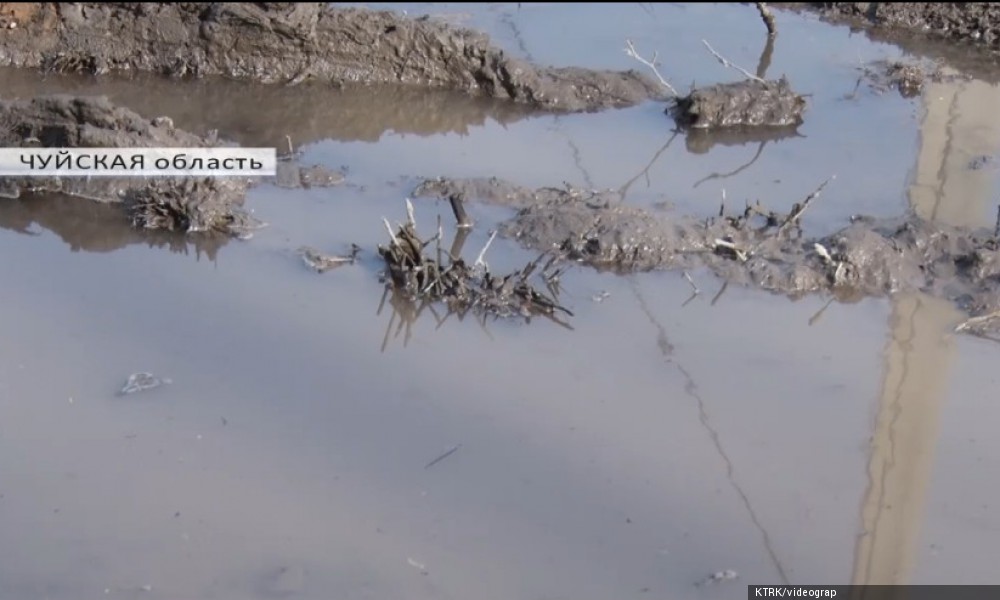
(664, 438)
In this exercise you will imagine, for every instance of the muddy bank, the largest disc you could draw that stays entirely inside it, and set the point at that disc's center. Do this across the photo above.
(752, 245)
(291, 43)
(173, 204)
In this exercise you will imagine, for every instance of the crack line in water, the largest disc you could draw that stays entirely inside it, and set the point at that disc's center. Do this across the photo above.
(691, 389)
(508, 19)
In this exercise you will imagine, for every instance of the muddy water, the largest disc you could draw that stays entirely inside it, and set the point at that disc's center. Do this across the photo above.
(660, 440)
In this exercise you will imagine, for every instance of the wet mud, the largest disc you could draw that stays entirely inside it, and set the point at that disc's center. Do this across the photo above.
(752, 245)
(745, 104)
(958, 21)
(291, 43)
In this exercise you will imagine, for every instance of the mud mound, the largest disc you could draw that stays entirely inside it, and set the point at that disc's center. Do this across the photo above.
(744, 104)
(184, 204)
(756, 246)
(285, 42)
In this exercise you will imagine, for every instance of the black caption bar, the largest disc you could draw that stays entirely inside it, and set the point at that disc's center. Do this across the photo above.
(876, 592)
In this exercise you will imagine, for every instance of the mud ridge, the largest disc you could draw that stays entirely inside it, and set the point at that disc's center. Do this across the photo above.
(754, 246)
(286, 42)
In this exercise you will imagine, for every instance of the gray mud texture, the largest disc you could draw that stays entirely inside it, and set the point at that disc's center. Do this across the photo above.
(754, 247)
(173, 204)
(745, 104)
(285, 42)
(958, 21)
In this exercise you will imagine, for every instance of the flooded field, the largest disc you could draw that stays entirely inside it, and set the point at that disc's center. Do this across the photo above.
(656, 439)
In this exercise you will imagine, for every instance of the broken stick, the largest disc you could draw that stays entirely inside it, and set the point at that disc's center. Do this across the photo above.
(768, 18)
(458, 208)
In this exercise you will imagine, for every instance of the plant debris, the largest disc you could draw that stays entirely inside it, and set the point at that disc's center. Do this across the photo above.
(437, 275)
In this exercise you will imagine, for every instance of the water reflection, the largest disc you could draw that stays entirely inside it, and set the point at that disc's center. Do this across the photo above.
(262, 115)
(959, 123)
(96, 227)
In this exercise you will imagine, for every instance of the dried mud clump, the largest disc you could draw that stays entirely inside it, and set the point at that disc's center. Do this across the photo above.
(425, 273)
(746, 104)
(289, 43)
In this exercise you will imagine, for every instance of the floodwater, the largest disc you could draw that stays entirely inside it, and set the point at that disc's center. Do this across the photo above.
(662, 439)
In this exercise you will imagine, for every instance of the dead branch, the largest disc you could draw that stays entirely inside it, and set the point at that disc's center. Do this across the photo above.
(976, 321)
(458, 208)
(691, 281)
(768, 17)
(631, 51)
(726, 63)
(801, 208)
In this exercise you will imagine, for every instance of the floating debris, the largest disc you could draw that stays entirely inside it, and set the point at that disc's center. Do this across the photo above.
(719, 577)
(140, 382)
(446, 454)
(321, 263)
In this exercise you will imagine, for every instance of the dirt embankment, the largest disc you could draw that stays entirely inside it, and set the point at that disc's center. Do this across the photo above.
(754, 246)
(286, 42)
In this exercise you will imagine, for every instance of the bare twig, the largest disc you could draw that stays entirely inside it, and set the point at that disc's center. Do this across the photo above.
(815, 318)
(409, 214)
(764, 62)
(740, 254)
(996, 228)
(458, 208)
(631, 51)
(972, 322)
(691, 281)
(727, 63)
(482, 253)
(447, 453)
(388, 228)
(768, 17)
(722, 290)
(801, 208)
